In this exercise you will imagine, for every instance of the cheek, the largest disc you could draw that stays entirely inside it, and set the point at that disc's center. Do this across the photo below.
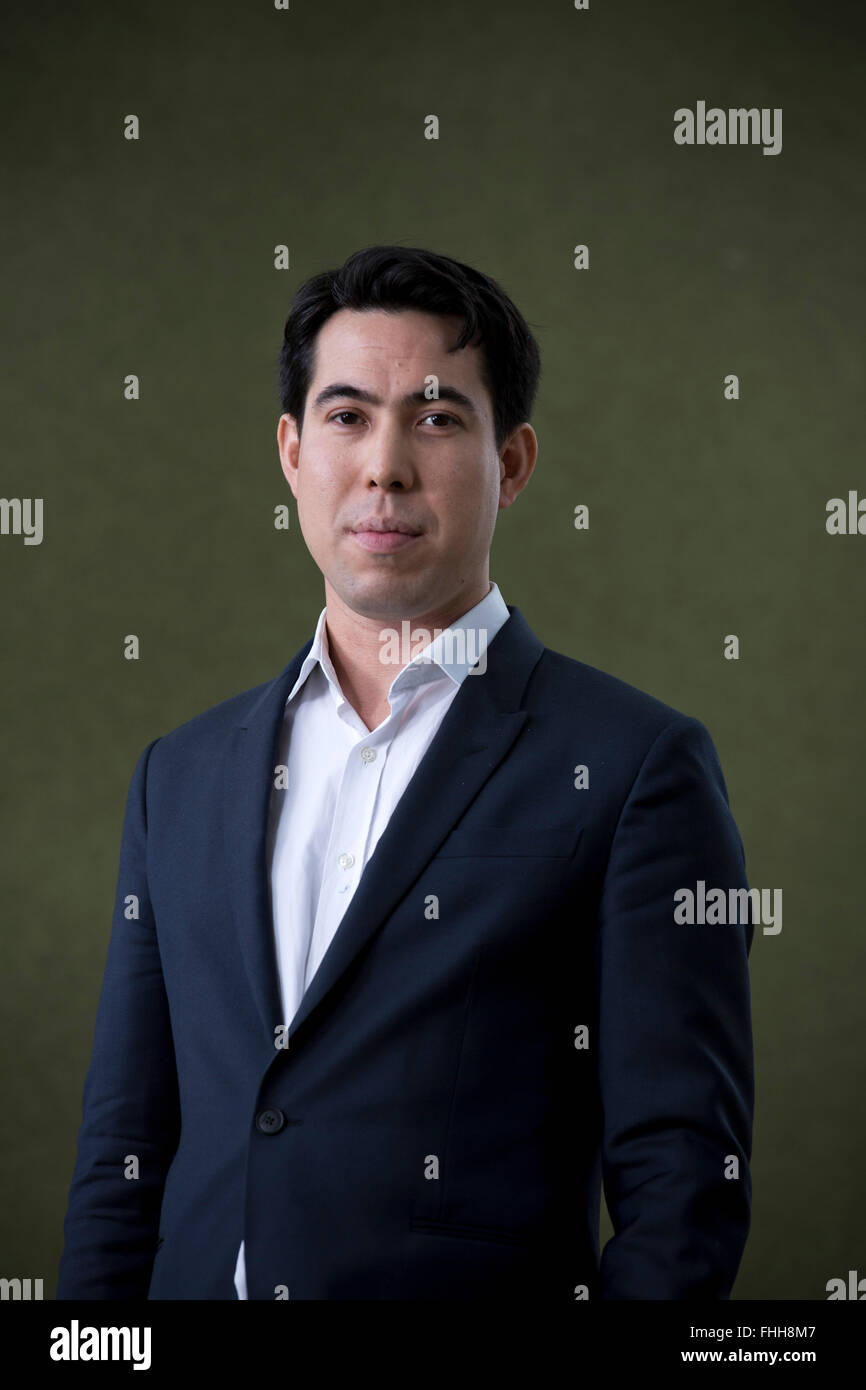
(312, 515)
(471, 505)
(318, 494)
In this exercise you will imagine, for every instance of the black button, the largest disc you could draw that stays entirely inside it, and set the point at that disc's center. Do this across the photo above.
(270, 1121)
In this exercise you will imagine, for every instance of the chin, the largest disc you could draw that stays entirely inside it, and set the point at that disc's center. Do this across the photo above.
(382, 595)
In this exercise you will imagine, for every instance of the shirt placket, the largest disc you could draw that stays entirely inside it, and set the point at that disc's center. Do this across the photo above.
(346, 853)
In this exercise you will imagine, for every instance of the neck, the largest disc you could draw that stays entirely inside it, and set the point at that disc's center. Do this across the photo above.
(355, 644)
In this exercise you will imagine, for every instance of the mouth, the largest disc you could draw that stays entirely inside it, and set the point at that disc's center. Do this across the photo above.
(383, 541)
(382, 536)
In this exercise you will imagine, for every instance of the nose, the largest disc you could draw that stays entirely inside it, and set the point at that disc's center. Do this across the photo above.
(388, 464)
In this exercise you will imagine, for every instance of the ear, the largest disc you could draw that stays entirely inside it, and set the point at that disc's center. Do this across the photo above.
(289, 445)
(516, 462)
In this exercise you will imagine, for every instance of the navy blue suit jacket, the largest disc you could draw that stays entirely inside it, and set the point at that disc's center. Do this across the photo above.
(433, 1130)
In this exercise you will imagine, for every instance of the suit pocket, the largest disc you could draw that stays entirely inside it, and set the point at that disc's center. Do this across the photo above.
(451, 1263)
(464, 1231)
(511, 842)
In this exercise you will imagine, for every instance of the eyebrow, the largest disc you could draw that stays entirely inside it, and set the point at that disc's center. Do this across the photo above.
(345, 389)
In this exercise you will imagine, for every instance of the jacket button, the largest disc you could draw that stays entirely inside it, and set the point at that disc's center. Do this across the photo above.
(270, 1121)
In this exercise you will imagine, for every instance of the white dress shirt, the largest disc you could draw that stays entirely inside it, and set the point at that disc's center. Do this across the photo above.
(343, 783)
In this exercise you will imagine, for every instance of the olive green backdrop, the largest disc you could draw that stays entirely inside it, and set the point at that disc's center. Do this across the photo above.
(707, 516)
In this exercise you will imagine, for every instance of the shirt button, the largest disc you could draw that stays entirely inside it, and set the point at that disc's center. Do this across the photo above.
(368, 754)
(270, 1121)
(346, 861)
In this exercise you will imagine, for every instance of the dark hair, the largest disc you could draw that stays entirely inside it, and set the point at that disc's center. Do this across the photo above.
(407, 277)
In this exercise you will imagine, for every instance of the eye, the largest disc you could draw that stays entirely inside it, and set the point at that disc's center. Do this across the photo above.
(439, 415)
(433, 415)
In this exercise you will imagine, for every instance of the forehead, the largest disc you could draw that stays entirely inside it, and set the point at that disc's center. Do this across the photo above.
(380, 340)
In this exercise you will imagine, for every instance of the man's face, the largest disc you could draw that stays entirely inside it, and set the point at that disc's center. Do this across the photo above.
(427, 464)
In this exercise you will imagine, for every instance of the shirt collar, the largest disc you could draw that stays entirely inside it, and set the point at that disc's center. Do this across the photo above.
(450, 654)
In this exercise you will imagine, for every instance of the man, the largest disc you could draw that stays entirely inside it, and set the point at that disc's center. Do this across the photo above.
(395, 977)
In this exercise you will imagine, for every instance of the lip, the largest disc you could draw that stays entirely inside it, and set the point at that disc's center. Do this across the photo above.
(383, 541)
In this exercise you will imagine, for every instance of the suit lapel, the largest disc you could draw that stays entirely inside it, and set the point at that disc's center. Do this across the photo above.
(249, 778)
(476, 733)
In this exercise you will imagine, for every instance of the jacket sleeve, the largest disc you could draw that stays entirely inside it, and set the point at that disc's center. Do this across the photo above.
(130, 1107)
(675, 1046)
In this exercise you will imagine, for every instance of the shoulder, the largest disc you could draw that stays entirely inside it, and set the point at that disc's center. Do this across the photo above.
(208, 732)
(627, 730)
(595, 700)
